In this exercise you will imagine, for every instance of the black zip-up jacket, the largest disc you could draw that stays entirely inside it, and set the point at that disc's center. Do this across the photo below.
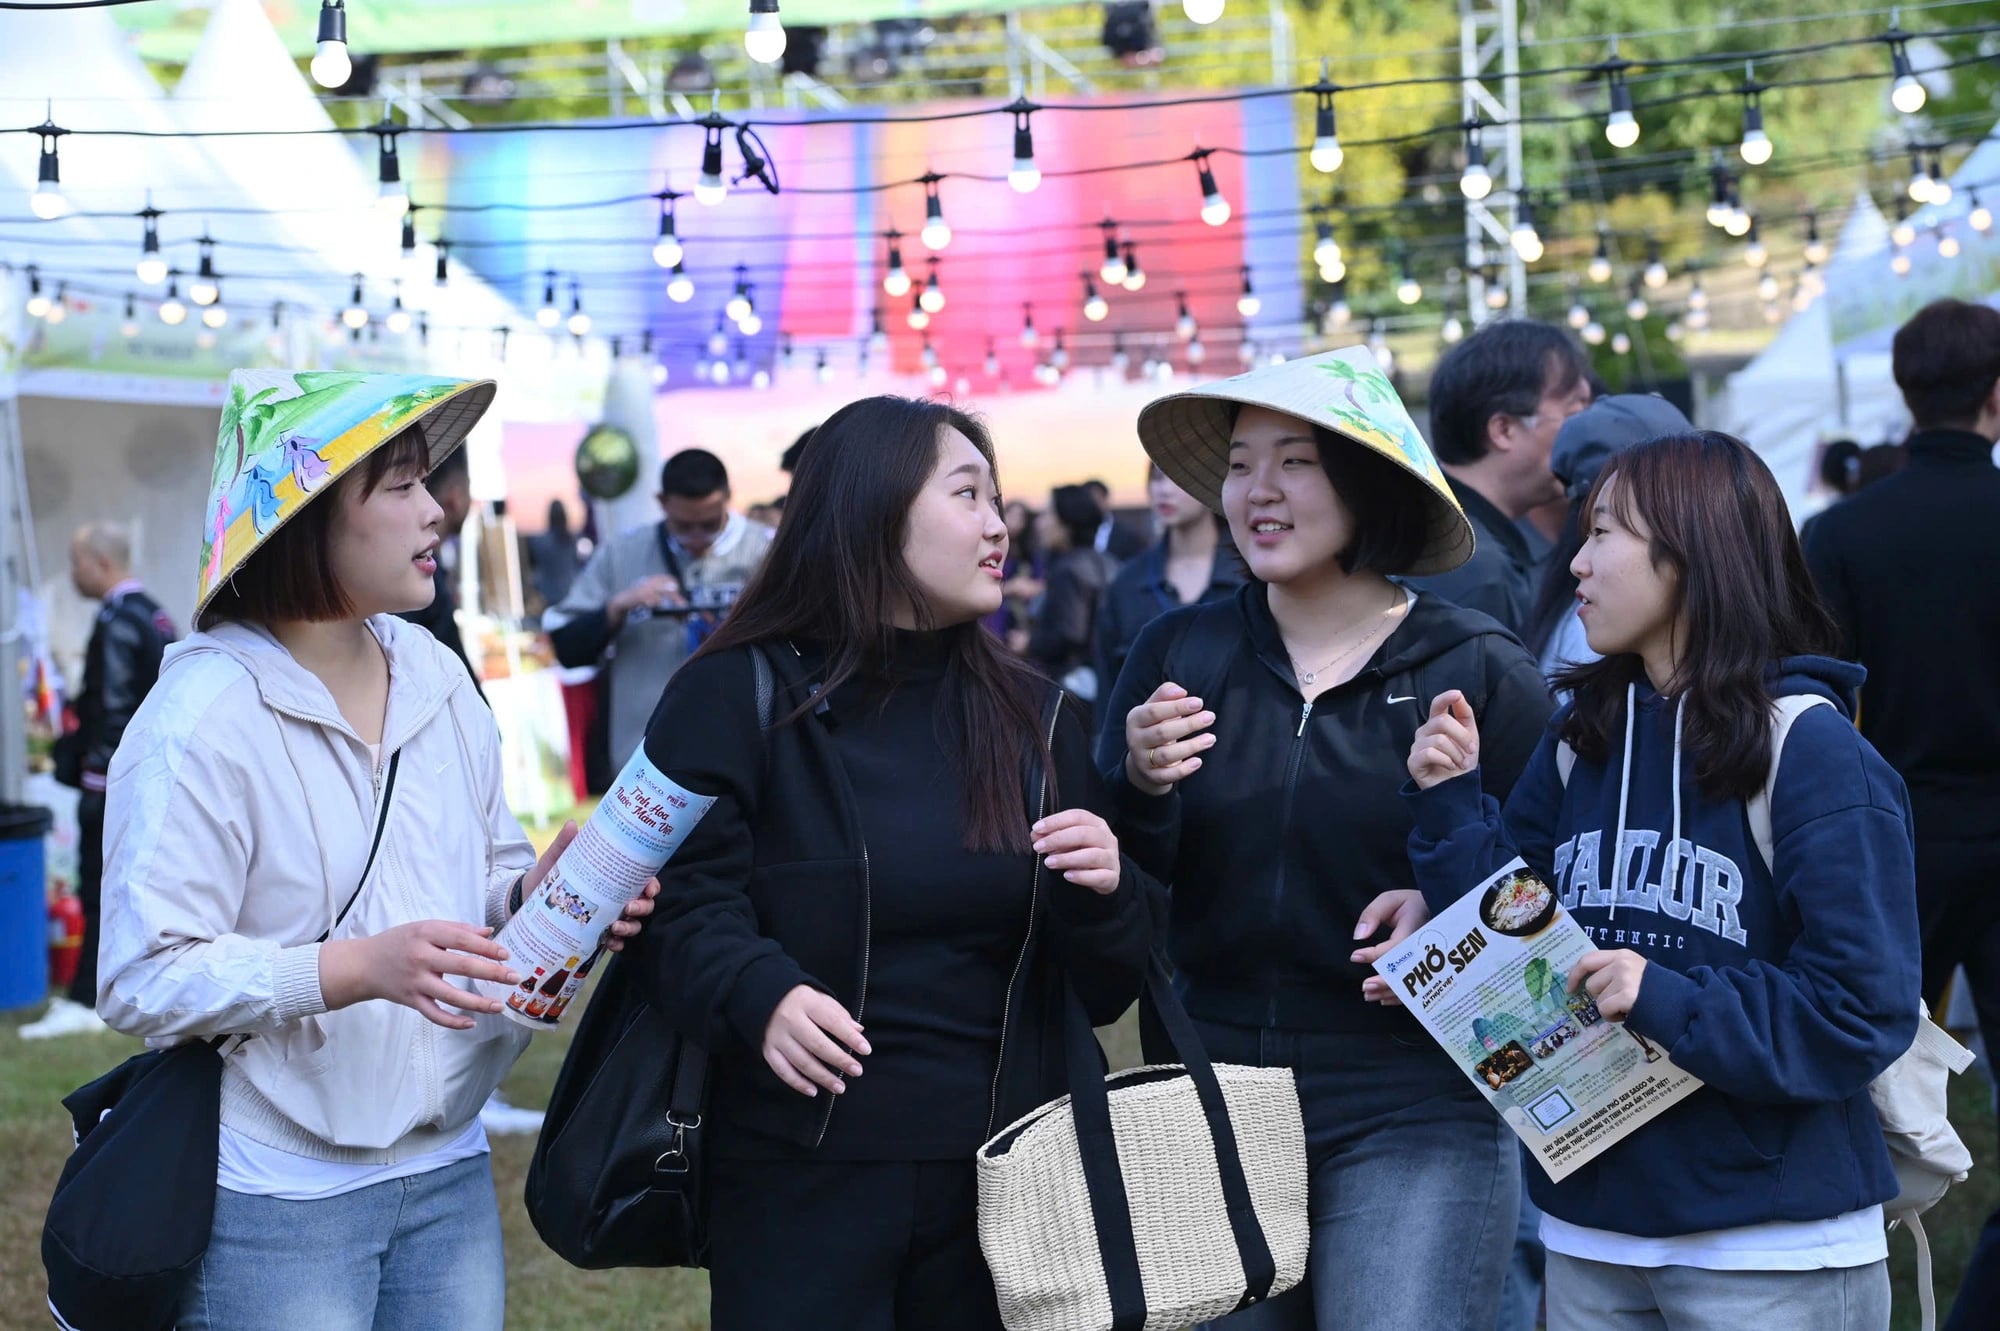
(120, 667)
(771, 888)
(1294, 823)
(1901, 565)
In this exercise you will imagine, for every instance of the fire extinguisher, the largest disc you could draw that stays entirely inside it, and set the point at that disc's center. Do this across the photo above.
(65, 938)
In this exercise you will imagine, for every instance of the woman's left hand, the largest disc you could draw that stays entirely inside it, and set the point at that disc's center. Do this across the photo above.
(636, 910)
(1404, 912)
(1612, 979)
(1079, 845)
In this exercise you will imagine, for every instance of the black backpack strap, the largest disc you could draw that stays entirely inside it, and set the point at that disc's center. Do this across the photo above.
(381, 822)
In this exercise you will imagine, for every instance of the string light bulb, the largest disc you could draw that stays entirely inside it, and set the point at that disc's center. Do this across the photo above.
(47, 202)
(667, 250)
(1756, 147)
(738, 306)
(821, 369)
(331, 66)
(1408, 290)
(1816, 250)
(152, 268)
(878, 338)
(1621, 344)
(1214, 208)
(932, 298)
(1340, 313)
(918, 318)
(1980, 218)
(1636, 308)
(397, 320)
(579, 322)
(1899, 264)
(1453, 331)
(764, 38)
(1740, 222)
(1593, 333)
(1475, 182)
(1202, 12)
(1196, 353)
(1112, 270)
(709, 187)
(718, 339)
(205, 290)
(1940, 185)
(1249, 304)
(992, 365)
(1599, 270)
(1023, 175)
(1095, 307)
(441, 276)
(936, 233)
(896, 281)
(392, 197)
(1655, 276)
(1527, 242)
(1059, 353)
(1920, 185)
(130, 328)
(1767, 287)
(58, 309)
(1697, 296)
(1326, 250)
(355, 316)
(1621, 129)
(173, 313)
(1121, 359)
(1906, 94)
(1948, 246)
(1496, 291)
(1903, 233)
(548, 316)
(1327, 154)
(1135, 276)
(1029, 337)
(1579, 313)
(1754, 252)
(680, 288)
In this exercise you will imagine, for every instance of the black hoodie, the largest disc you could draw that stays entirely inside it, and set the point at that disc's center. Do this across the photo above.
(1294, 822)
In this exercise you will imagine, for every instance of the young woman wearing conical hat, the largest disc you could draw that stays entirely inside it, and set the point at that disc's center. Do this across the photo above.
(1255, 747)
(353, 1187)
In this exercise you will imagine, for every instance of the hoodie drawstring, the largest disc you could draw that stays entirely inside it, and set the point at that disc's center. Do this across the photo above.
(1667, 859)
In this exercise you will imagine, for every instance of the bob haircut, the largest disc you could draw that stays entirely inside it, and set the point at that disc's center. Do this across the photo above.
(290, 577)
(1718, 522)
(835, 573)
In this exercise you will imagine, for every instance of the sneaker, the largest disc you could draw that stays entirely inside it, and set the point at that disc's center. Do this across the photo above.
(64, 1018)
(505, 1120)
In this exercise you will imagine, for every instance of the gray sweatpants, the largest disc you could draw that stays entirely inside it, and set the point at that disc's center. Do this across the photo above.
(1594, 1296)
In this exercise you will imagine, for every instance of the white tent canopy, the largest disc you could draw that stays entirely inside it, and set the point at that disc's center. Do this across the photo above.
(1795, 395)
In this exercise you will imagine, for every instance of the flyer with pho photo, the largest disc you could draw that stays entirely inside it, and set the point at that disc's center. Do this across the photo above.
(1488, 978)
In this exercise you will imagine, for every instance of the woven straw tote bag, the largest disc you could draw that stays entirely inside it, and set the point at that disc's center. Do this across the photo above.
(1153, 1198)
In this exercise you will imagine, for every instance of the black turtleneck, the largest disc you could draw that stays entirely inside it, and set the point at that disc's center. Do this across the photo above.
(946, 924)
(1907, 567)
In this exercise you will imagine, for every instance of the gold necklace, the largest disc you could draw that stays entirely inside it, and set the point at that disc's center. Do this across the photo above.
(1308, 677)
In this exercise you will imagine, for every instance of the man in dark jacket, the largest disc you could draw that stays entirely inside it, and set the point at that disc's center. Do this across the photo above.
(1497, 400)
(1906, 566)
(120, 666)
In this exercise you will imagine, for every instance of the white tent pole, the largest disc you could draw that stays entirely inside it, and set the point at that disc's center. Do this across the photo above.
(18, 539)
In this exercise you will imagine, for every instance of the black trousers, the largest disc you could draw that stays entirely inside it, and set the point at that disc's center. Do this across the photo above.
(846, 1246)
(89, 893)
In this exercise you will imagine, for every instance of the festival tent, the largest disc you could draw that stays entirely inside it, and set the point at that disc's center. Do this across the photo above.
(1797, 394)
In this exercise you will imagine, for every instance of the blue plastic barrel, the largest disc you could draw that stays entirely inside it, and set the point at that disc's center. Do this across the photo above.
(24, 905)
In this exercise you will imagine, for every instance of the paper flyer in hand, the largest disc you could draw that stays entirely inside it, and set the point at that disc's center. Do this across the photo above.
(556, 937)
(1488, 979)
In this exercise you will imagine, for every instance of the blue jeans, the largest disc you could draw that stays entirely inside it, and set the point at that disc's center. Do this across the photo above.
(412, 1254)
(1415, 1183)
(1521, 1300)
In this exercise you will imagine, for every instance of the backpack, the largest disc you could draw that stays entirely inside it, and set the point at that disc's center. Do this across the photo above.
(1909, 1096)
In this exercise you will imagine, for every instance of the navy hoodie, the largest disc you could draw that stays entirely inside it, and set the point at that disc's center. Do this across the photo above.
(1786, 990)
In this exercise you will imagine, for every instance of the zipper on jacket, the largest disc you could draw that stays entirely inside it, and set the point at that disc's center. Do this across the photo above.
(1034, 901)
(1292, 766)
(867, 940)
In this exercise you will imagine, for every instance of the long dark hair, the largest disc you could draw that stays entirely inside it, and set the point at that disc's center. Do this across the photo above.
(836, 569)
(1555, 599)
(1719, 521)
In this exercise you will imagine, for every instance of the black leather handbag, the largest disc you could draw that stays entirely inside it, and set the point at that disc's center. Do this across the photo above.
(616, 1178)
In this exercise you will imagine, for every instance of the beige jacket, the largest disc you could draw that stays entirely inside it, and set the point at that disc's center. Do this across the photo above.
(239, 815)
